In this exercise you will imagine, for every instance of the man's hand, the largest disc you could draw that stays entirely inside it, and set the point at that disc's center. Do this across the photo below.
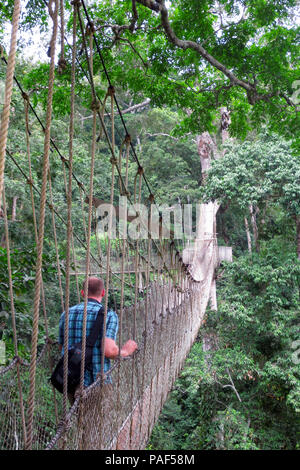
(111, 349)
(129, 348)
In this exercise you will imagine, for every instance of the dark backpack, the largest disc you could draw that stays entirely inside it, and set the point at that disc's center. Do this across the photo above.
(75, 358)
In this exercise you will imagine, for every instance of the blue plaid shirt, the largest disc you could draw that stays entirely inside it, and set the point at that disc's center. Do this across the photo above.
(75, 334)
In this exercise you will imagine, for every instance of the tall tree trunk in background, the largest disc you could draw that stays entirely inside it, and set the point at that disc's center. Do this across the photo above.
(248, 235)
(253, 213)
(14, 209)
(205, 253)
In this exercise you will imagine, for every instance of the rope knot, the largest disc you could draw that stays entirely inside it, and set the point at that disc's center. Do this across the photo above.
(113, 161)
(50, 341)
(19, 360)
(62, 65)
(90, 28)
(64, 159)
(95, 106)
(110, 90)
(125, 192)
(25, 96)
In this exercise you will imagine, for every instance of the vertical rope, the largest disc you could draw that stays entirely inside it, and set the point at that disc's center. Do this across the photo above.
(62, 62)
(128, 141)
(30, 182)
(123, 258)
(55, 242)
(13, 316)
(87, 269)
(95, 108)
(137, 273)
(146, 324)
(69, 209)
(8, 91)
(38, 278)
(83, 214)
(75, 268)
(113, 163)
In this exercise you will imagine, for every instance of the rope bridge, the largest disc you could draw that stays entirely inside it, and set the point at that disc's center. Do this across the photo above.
(159, 302)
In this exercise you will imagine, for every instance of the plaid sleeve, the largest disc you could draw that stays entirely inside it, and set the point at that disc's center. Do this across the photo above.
(61, 329)
(112, 325)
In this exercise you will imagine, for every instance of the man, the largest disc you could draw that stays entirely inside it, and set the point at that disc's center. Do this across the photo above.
(96, 293)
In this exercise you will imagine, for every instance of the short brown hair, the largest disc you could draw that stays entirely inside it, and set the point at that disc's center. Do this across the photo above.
(95, 286)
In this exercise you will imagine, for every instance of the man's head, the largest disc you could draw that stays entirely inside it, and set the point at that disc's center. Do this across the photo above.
(95, 288)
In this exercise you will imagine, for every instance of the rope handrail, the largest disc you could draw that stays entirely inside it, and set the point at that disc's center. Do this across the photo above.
(8, 91)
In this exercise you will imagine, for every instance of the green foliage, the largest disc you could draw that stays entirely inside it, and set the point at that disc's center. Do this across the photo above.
(259, 171)
(250, 338)
(259, 47)
(256, 40)
(22, 269)
(240, 385)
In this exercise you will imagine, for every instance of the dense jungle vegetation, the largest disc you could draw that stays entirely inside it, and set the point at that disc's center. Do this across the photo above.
(240, 387)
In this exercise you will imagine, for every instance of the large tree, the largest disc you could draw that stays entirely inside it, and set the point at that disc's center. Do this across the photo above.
(201, 55)
(259, 176)
(198, 56)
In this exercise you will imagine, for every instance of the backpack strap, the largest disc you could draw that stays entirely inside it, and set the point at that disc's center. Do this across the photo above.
(97, 328)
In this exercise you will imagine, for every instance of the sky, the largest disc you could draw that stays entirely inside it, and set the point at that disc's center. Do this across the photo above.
(36, 43)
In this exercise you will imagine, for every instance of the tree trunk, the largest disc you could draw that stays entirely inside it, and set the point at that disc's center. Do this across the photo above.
(205, 255)
(14, 208)
(248, 235)
(253, 213)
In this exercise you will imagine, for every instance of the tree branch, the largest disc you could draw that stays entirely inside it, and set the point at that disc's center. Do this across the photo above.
(159, 6)
(253, 96)
(125, 111)
(232, 385)
(152, 4)
(136, 106)
(135, 16)
(162, 134)
(145, 64)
